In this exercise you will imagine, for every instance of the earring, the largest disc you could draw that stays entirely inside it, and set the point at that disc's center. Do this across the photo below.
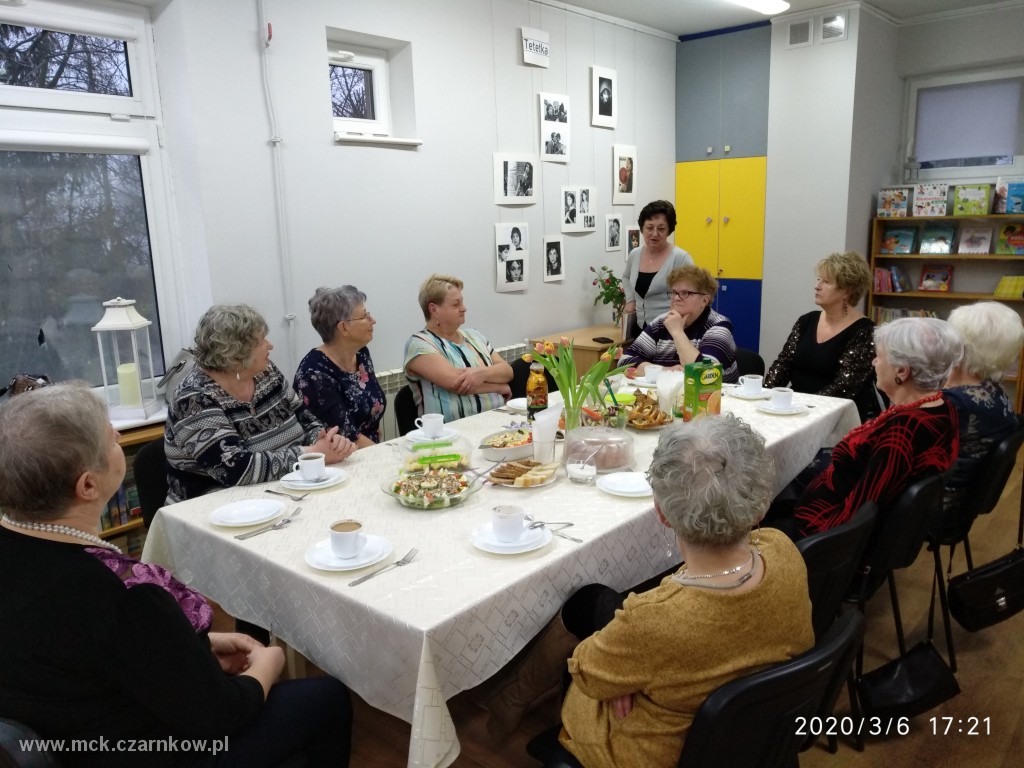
(238, 376)
(757, 535)
(899, 380)
(846, 307)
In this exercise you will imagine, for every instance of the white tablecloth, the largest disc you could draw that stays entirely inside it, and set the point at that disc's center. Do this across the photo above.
(410, 639)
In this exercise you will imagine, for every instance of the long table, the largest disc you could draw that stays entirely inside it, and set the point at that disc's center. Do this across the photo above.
(410, 639)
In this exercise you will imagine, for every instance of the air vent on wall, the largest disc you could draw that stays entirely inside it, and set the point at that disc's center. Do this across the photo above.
(833, 28)
(799, 34)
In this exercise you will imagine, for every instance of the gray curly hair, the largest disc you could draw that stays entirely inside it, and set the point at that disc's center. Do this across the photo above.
(330, 306)
(713, 479)
(227, 335)
(929, 347)
(38, 481)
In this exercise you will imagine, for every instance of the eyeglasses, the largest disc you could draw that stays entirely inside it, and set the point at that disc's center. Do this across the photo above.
(684, 295)
(650, 229)
(366, 316)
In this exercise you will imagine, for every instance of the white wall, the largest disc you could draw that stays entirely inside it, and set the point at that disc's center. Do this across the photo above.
(964, 42)
(383, 218)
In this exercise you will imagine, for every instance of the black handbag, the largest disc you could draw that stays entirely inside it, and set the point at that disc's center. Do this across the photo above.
(917, 681)
(991, 593)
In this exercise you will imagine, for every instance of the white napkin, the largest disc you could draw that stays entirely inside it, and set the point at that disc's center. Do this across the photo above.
(545, 424)
(669, 384)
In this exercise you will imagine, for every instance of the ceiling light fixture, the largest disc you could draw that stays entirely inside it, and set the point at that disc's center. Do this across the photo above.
(767, 7)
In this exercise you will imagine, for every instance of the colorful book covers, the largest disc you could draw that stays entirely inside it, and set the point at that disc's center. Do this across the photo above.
(937, 239)
(893, 202)
(972, 199)
(930, 199)
(898, 240)
(1011, 240)
(1009, 195)
(975, 240)
(936, 277)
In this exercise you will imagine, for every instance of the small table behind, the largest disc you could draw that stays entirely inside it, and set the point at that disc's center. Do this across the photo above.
(586, 351)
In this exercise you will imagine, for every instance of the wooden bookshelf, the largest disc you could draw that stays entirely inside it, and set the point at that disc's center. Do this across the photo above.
(130, 441)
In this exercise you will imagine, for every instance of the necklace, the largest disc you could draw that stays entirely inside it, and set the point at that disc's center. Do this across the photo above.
(66, 530)
(737, 569)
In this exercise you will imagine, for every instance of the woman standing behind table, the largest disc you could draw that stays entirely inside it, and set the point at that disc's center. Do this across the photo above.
(336, 381)
(452, 371)
(992, 334)
(829, 352)
(103, 647)
(645, 279)
(234, 420)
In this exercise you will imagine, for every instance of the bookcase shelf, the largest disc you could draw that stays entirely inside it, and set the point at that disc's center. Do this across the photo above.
(130, 525)
(976, 274)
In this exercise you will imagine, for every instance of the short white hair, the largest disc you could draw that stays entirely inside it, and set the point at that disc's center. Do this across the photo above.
(929, 347)
(993, 335)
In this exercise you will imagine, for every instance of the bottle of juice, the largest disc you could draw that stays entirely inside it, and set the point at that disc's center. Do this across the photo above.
(536, 390)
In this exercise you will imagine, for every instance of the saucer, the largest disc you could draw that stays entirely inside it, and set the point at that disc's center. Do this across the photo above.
(629, 484)
(333, 476)
(533, 538)
(417, 436)
(239, 514)
(321, 556)
(793, 410)
(763, 394)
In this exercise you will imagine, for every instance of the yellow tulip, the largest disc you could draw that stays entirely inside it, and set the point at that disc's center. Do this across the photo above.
(527, 358)
(606, 357)
(549, 348)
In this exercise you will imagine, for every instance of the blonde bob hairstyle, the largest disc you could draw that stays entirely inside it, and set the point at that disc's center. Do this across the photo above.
(435, 290)
(848, 271)
(227, 335)
(698, 277)
(993, 335)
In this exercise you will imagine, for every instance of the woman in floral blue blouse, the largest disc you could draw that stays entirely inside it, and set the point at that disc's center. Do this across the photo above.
(336, 380)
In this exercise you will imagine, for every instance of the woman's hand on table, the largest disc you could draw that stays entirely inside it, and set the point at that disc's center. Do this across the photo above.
(334, 446)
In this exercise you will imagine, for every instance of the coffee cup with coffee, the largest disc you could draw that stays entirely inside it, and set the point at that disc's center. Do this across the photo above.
(750, 384)
(347, 539)
(782, 398)
(507, 522)
(312, 467)
(431, 424)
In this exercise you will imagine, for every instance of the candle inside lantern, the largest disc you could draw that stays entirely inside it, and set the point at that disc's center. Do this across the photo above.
(129, 385)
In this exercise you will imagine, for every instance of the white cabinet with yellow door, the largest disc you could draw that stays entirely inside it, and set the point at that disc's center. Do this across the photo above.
(720, 222)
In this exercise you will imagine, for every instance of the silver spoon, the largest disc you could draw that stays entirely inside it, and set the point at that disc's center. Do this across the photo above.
(275, 527)
(556, 532)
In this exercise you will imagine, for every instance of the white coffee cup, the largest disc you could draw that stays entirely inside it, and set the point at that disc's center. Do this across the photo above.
(782, 398)
(347, 538)
(507, 522)
(312, 467)
(652, 373)
(431, 424)
(750, 384)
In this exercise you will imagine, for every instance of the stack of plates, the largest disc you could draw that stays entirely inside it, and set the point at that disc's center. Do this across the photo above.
(628, 484)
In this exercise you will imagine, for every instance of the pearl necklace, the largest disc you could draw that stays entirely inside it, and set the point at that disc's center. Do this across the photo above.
(686, 576)
(66, 530)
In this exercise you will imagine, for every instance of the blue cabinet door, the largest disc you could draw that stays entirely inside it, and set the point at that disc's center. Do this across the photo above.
(740, 301)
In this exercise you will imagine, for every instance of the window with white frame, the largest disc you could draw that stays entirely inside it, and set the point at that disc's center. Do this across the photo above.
(80, 179)
(966, 126)
(360, 97)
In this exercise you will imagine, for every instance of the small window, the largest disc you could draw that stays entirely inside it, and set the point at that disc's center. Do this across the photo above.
(359, 91)
(32, 57)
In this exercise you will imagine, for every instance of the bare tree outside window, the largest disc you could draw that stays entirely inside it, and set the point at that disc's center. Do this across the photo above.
(41, 58)
(352, 92)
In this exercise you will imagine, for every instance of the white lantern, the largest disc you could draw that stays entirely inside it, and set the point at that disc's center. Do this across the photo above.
(126, 331)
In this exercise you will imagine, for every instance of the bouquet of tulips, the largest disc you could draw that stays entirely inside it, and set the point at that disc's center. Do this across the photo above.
(561, 364)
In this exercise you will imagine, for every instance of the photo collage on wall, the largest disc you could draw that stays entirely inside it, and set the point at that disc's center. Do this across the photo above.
(554, 128)
(578, 206)
(512, 254)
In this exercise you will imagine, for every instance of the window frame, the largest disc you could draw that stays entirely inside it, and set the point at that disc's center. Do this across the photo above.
(982, 172)
(376, 62)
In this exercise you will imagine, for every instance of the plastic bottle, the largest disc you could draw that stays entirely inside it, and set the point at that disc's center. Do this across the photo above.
(536, 390)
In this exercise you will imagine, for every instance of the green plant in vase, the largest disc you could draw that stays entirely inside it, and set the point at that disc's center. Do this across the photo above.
(576, 390)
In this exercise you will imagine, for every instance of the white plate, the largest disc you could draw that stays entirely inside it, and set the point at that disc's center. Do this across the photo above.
(532, 538)
(518, 404)
(793, 410)
(764, 394)
(294, 480)
(546, 483)
(321, 556)
(631, 484)
(639, 381)
(239, 514)
(417, 436)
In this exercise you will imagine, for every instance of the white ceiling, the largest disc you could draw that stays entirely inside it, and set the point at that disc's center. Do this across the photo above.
(687, 17)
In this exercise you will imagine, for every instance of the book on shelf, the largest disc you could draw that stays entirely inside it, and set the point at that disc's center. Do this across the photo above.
(898, 240)
(975, 240)
(1003, 193)
(930, 199)
(893, 202)
(1010, 287)
(937, 239)
(1011, 240)
(882, 280)
(880, 315)
(900, 281)
(972, 199)
(936, 277)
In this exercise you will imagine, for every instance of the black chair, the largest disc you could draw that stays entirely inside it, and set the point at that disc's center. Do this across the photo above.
(150, 466)
(979, 498)
(832, 557)
(749, 722)
(749, 362)
(12, 734)
(520, 373)
(405, 410)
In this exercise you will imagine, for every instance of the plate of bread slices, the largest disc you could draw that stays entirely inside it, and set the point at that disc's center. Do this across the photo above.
(523, 473)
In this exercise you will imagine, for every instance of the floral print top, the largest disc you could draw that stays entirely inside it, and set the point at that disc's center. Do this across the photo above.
(353, 402)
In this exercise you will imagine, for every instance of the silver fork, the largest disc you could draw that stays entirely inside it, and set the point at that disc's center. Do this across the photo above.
(404, 561)
(275, 527)
(291, 496)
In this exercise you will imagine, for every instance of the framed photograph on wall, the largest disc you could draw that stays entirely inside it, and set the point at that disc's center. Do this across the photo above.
(632, 239)
(554, 264)
(554, 128)
(612, 232)
(578, 206)
(512, 256)
(623, 174)
(513, 179)
(603, 97)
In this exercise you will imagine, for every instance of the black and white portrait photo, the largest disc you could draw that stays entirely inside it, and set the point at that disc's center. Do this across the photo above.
(512, 245)
(553, 269)
(632, 239)
(577, 206)
(612, 232)
(569, 207)
(554, 127)
(514, 271)
(513, 179)
(603, 97)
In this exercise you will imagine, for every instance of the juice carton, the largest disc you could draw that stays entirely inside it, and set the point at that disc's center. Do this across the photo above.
(702, 389)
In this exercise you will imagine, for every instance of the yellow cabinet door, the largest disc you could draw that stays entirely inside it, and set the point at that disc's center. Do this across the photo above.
(697, 211)
(741, 213)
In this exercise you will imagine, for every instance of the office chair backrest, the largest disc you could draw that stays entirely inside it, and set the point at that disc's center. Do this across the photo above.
(150, 465)
(405, 410)
(748, 362)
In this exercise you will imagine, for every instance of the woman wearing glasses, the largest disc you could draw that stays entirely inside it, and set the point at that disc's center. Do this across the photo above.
(690, 330)
(645, 279)
(336, 380)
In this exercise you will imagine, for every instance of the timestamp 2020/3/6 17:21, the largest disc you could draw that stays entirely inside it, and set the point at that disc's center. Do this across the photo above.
(966, 726)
